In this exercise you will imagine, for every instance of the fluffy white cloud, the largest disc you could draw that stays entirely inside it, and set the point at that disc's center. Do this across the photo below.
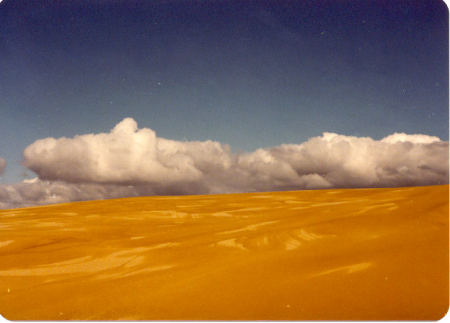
(416, 139)
(2, 165)
(126, 155)
(345, 161)
(129, 162)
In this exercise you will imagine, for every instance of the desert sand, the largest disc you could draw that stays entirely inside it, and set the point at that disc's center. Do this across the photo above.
(305, 255)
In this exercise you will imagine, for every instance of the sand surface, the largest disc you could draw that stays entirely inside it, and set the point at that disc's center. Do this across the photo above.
(329, 254)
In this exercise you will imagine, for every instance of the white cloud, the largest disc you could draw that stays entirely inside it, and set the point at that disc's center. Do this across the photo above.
(126, 155)
(2, 165)
(38, 192)
(345, 161)
(129, 162)
(415, 139)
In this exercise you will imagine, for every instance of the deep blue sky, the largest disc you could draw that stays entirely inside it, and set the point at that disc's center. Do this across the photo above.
(250, 74)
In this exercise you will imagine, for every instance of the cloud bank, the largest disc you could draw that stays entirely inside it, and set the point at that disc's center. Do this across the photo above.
(129, 161)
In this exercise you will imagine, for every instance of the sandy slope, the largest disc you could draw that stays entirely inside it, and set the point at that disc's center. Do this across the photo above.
(332, 254)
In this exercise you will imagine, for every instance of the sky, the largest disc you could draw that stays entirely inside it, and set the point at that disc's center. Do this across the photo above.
(251, 75)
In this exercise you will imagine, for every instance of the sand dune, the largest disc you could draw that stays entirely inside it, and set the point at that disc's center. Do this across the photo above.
(332, 254)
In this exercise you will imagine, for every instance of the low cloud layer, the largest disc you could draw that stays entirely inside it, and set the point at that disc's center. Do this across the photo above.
(2, 165)
(37, 192)
(130, 162)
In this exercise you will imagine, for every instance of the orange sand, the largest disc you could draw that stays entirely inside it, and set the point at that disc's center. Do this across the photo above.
(330, 254)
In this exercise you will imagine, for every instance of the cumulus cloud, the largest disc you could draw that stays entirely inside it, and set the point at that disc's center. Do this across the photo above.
(129, 161)
(416, 139)
(126, 155)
